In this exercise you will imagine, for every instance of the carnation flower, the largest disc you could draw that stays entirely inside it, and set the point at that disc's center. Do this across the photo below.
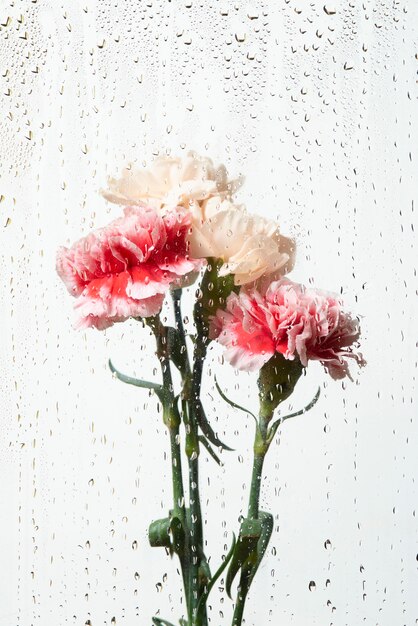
(172, 181)
(250, 246)
(290, 319)
(124, 269)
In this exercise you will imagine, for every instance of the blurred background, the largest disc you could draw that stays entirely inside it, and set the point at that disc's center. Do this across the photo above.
(315, 104)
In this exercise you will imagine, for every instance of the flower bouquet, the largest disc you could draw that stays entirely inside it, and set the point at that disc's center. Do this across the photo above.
(180, 224)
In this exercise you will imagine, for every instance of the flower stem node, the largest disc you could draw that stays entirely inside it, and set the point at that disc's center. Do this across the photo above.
(261, 442)
(204, 575)
(171, 415)
(192, 445)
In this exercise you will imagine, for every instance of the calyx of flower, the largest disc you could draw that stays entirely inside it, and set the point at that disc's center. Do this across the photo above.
(276, 381)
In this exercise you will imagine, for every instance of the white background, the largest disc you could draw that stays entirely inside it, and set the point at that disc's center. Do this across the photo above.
(316, 106)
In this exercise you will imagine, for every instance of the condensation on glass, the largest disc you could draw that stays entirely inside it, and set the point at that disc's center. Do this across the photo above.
(316, 103)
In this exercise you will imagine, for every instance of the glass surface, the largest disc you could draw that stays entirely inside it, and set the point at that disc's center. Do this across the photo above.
(316, 105)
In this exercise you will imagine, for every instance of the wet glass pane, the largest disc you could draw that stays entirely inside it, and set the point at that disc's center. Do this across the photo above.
(314, 104)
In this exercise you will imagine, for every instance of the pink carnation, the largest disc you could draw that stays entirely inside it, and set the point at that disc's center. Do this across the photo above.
(299, 323)
(124, 269)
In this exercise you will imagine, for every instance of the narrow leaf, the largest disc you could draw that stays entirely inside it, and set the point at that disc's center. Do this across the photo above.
(207, 429)
(280, 420)
(273, 430)
(306, 408)
(231, 403)
(217, 574)
(249, 534)
(161, 622)
(252, 563)
(267, 523)
(209, 448)
(137, 382)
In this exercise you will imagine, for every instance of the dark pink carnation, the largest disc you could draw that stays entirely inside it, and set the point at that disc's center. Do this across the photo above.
(297, 322)
(124, 269)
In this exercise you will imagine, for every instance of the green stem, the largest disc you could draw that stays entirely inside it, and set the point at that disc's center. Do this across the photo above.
(196, 527)
(195, 514)
(254, 501)
(261, 446)
(191, 392)
(172, 421)
(239, 609)
(177, 479)
(176, 296)
(253, 512)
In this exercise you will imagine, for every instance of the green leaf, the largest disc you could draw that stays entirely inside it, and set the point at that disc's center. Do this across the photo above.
(231, 403)
(206, 428)
(254, 537)
(167, 533)
(137, 382)
(267, 523)
(161, 622)
(280, 420)
(209, 448)
(217, 574)
(177, 534)
(249, 535)
(159, 533)
(307, 407)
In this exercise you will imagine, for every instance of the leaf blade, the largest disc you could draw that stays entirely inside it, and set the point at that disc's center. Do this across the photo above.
(161, 622)
(206, 428)
(231, 402)
(280, 420)
(249, 535)
(210, 450)
(167, 533)
(217, 574)
(306, 408)
(267, 523)
(137, 382)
